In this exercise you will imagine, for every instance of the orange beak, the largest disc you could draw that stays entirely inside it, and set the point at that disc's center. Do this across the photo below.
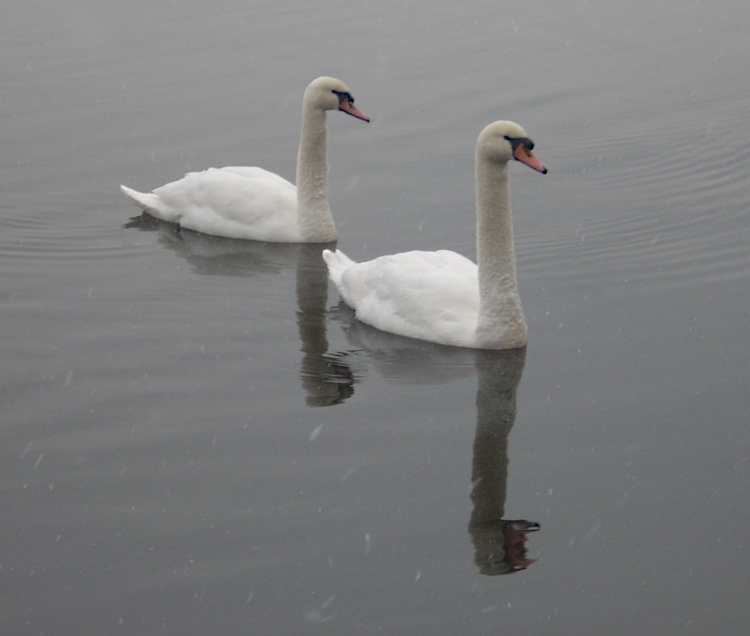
(350, 109)
(524, 155)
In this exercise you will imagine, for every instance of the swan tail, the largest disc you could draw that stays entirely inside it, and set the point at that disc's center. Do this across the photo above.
(148, 202)
(337, 263)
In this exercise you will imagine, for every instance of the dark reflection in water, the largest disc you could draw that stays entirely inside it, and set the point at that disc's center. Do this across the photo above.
(217, 256)
(326, 377)
(499, 543)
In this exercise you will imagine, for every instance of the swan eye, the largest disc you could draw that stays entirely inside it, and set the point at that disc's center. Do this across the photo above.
(515, 142)
(343, 96)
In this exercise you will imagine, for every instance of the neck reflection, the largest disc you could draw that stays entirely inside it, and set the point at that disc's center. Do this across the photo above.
(499, 543)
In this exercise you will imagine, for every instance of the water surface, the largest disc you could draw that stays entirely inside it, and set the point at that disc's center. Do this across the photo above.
(197, 438)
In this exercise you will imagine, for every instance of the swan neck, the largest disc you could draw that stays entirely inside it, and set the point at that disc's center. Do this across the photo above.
(501, 321)
(313, 213)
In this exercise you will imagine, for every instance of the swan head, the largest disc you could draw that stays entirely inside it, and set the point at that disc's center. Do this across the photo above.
(329, 93)
(502, 141)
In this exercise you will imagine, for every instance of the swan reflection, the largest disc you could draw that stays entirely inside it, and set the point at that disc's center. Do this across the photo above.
(218, 256)
(499, 543)
(327, 378)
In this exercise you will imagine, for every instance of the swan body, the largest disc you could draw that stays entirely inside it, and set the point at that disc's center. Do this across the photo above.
(442, 296)
(253, 203)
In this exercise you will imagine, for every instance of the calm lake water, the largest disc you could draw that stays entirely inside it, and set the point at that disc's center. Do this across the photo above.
(197, 439)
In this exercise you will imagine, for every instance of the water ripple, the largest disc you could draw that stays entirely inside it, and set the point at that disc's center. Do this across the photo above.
(671, 201)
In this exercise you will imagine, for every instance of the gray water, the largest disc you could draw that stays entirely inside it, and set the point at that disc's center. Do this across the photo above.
(198, 439)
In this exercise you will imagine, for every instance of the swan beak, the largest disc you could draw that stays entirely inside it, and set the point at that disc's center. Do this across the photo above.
(350, 109)
(524, 155)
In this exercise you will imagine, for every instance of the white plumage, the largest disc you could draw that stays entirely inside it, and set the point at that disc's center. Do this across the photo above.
(442, 296)
(253, 203)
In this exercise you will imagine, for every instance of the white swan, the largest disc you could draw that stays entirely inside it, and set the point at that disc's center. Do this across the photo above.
(252, 203)
(442, 296)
